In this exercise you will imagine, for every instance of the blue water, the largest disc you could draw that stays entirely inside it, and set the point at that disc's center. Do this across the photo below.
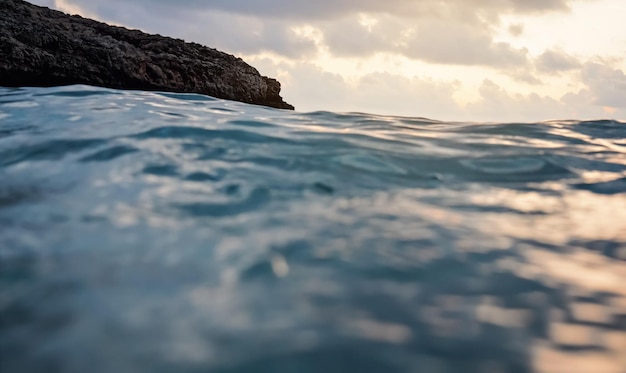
(160, 232)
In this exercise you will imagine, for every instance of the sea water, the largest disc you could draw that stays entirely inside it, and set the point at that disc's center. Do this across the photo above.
(161, 232)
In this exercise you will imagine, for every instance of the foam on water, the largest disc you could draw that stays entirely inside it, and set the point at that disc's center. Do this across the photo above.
(160, 232)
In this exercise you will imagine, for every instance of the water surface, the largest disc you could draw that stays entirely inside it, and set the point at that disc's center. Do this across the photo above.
(159, 232)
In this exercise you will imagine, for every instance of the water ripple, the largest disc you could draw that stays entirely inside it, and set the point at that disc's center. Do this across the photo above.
(153, 232)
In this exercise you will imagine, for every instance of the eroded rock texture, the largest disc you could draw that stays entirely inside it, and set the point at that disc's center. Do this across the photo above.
(44, 47)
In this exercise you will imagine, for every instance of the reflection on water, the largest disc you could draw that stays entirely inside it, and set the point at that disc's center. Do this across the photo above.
(147, 232)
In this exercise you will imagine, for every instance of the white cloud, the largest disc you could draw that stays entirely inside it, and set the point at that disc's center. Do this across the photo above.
(460, 44)
(452, 32)
(328, 9)
(554, 61)
(429, 40)
(311, 88)
(606, 85)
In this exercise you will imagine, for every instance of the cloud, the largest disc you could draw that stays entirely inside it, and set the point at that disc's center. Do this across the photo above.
(46, 3)
(450, 32)
(351, 37)
(328, 9)
(460, 44)
(311, 88)
(259, 36)
(602, 96)
(554, 61)
(433, 41)
(516, 29)
(499, 104)
(457, 34)
(606, 85)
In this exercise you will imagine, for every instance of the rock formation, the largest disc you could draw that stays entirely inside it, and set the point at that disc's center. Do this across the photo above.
(44, 47)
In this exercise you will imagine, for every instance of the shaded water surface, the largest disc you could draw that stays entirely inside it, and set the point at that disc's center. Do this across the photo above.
(153, 232)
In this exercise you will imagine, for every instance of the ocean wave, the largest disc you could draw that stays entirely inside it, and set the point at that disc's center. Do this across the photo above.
(146, 231)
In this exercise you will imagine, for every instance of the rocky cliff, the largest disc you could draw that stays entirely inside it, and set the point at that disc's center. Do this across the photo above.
(44, 47)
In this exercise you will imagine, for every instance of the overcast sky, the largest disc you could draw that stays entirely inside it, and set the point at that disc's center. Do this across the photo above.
(488, 60)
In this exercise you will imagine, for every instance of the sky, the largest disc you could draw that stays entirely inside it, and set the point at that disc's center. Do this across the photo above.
(478, 60)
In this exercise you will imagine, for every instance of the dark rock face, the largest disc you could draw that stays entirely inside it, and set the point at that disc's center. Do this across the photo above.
(44, 47)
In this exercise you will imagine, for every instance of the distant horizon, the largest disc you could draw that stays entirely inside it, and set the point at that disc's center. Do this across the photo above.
(452, 61)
